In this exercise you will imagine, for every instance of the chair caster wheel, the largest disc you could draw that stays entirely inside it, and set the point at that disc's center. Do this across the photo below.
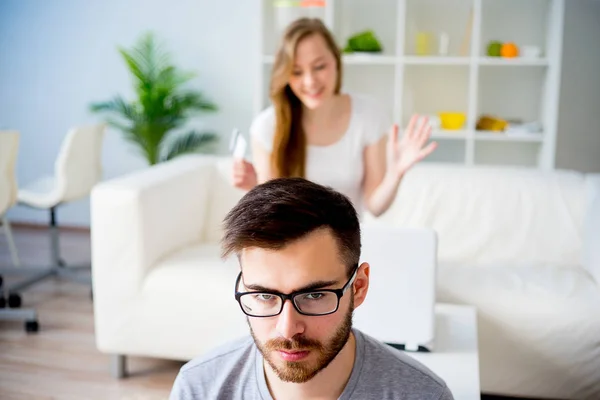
(32, 326)
(2, 302)
(14, 300)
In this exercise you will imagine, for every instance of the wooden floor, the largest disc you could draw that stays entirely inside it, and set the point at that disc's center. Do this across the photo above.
(61, 360)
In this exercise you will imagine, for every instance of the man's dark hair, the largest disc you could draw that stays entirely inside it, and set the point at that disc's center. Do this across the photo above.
(280, 211)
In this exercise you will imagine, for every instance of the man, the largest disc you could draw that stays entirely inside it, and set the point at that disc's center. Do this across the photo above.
(298, 244)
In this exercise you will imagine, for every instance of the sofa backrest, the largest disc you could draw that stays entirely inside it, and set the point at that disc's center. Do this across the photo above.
(487, 215)
(482, 215)
(222, 198)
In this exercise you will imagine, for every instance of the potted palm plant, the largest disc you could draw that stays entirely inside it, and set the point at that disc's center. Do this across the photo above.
(162, 105)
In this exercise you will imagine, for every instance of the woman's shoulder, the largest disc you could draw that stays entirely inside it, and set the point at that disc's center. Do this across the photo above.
(265, 118)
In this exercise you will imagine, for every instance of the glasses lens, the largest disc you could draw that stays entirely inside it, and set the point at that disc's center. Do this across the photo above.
(316, 302)
(260, 304)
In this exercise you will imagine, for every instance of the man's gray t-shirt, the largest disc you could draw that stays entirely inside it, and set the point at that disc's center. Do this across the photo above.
(235, 371)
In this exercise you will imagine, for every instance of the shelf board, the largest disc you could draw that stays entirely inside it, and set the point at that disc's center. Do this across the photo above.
(510, 137)
(369, 59)
(450, 134)
(515, 62)
(463, 134)
(435, 60)
(380, 59)
(354, 59)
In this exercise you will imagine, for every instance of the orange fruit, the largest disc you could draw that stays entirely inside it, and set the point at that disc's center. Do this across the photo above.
(509, 50)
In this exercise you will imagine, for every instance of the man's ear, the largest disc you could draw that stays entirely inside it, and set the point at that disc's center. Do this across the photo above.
(361, 284)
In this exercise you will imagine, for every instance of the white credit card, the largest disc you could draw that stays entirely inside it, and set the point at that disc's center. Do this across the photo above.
(238, 144)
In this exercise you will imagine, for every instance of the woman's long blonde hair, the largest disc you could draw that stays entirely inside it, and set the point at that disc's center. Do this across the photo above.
(288, 157)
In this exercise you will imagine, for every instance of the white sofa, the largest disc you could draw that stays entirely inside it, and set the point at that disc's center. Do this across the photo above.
(521, 245)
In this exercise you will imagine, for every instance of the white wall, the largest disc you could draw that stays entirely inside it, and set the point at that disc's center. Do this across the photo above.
(578, 137)
(58, 56)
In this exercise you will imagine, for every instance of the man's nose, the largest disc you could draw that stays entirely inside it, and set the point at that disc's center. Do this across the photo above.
(289, 322)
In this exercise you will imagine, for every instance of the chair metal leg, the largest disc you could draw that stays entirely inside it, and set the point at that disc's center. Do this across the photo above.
(54, 238)
(27, 315)
(38, 277)
(14, 255)
(79, 267)
(18, 314)
(118, 366)
(64, 270)
(73, 276)
(57, 267)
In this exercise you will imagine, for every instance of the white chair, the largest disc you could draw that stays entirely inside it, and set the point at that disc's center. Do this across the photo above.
(9, 147)
(77, 169)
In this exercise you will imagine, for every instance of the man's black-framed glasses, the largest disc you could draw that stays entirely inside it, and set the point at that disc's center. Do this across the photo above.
(314, 302)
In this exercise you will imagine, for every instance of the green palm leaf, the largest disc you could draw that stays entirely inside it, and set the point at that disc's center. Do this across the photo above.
(119, 107)
(162, 105)
(191, 142)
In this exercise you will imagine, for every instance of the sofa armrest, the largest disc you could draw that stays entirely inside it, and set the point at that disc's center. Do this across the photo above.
(139, 218)
(591, 234)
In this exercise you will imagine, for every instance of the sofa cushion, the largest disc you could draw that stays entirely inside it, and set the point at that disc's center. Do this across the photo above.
(538, 326)
(195, 267)
(187, 299)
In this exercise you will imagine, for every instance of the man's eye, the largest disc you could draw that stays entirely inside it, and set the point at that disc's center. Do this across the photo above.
(264, 297)
(314, 296)
(320, 67)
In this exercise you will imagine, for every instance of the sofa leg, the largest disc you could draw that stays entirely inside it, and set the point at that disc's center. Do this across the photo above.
(118, 366)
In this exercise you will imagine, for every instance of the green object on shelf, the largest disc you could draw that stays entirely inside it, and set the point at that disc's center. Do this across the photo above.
(493, 49)
(287, 3)
(299, 3)
(363, 41)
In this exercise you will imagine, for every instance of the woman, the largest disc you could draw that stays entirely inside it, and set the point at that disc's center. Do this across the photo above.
(314, 131)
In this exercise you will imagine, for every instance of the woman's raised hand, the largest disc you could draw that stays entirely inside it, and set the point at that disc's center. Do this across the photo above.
(412, 147)
(244, 174)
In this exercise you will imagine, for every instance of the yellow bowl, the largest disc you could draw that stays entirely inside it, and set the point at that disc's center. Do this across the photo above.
(452, 120)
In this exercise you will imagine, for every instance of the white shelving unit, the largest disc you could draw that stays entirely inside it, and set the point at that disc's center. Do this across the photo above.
(463, 80)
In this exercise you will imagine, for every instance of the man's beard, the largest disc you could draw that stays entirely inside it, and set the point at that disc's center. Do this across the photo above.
(301, 371)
